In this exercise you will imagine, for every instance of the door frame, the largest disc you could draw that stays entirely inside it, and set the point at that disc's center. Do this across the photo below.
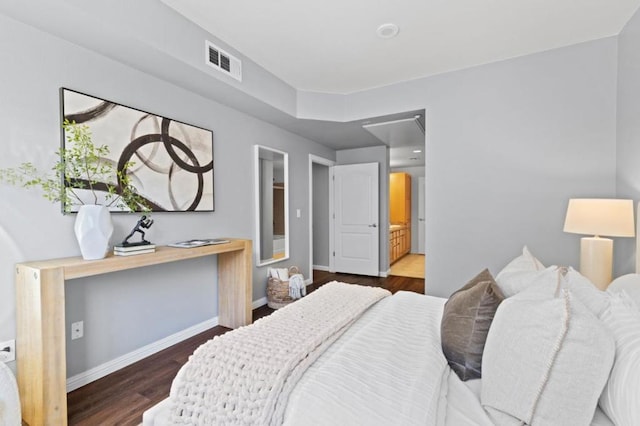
(422, 236)
(328, 163)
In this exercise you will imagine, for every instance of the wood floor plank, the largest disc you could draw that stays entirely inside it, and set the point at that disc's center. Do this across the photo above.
(129, 413)
(121, 397)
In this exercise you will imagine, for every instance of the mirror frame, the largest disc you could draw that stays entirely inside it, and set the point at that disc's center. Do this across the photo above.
(257, 186)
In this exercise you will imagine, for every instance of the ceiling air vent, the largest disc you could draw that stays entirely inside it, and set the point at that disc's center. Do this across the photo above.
(222, 61)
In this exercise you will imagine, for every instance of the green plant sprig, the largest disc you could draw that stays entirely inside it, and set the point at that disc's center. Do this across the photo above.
(81, 165)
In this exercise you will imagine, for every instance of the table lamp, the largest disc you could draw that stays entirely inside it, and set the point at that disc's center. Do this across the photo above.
(599, 217)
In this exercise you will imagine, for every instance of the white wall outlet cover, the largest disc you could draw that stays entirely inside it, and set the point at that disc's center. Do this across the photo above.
(77, 330)
(297, 212)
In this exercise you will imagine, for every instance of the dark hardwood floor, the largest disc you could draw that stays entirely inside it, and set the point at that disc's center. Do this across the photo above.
(121, 397)
(391, 283)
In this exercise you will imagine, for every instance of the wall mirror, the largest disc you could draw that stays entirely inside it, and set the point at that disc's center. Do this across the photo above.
(271, 171)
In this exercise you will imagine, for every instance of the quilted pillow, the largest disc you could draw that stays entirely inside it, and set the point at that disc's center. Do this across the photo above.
(546, 359)
(519, 273)
(622, 392)
(465, 323)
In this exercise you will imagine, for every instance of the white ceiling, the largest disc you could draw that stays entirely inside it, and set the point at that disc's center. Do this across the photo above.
(331, 45)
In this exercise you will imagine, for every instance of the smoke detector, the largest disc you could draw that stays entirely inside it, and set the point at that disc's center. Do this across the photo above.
(387, 30)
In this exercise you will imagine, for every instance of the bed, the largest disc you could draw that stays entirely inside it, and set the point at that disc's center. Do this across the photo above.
(385, 363)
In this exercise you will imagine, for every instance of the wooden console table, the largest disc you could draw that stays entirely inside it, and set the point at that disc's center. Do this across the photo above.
(41, 353)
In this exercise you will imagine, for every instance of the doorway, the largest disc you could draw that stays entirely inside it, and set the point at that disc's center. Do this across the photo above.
(407, 233)
(388, 142)
(320, 208)
(407, 197)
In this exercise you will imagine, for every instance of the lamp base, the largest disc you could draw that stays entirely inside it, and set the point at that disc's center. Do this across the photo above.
(596, 260)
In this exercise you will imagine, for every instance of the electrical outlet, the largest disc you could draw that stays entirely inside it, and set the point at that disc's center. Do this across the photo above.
(77, 330)
(8, 351)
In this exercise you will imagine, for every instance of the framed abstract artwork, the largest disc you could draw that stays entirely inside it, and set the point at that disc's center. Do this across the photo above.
(171, 162)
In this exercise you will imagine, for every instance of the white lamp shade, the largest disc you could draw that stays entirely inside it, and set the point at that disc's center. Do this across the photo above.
(601, 217)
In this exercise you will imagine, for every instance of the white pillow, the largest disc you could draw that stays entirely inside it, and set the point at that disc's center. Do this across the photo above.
(9, 397)
(596, 300)
(620, 399)
(546, 358)
(519, 273)
(630, 283)
(525, 262)
(512, 283)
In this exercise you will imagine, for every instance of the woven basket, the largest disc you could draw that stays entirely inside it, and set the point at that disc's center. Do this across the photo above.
(278, 291)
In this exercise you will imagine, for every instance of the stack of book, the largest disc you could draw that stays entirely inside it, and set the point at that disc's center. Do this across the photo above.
(133, 249)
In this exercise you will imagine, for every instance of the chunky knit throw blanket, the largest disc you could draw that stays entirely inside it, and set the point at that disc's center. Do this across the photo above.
(244, 377)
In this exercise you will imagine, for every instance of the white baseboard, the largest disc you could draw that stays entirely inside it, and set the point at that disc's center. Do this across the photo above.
(308, 281)
(257, 303)
(321, 268)
(384, 274)
(120, 362)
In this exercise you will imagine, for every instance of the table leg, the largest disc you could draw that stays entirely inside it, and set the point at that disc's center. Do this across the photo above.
(235, 287)
(41, 352)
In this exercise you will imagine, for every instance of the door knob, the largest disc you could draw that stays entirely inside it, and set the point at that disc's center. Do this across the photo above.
(373, 225)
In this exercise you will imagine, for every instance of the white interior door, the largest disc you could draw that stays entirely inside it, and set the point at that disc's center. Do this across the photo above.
(356, 226)
(421, 224)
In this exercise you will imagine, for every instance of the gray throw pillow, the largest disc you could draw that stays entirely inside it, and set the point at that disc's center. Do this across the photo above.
(465, 324)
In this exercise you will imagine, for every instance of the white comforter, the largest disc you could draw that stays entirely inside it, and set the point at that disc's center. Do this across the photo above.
(387, 369)
(365, 368)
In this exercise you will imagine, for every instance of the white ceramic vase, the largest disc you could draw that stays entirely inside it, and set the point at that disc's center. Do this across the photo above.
(93, 230)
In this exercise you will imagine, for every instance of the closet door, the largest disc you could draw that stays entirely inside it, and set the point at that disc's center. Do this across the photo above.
(356, 219)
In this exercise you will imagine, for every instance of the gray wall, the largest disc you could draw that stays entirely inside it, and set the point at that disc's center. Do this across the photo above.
(127, 310)
(380, 155)
(129, 32)
(508, 144)
(320, 215)
(628, 133)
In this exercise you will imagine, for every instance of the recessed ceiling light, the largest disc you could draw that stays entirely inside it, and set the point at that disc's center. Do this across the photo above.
(417, 151)
(387, 30)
